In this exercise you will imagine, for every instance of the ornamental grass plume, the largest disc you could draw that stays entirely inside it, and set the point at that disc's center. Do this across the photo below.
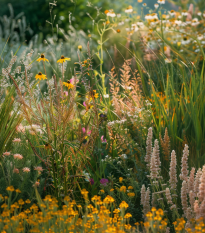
(173, 171)
(157, 154)
(184, 164)
(149, 147)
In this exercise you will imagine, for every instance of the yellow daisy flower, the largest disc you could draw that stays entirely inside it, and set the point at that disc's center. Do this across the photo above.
(63, 59)
(93, 94)
(42, 58)
(80, 47)
(40, 76)
(68, 84)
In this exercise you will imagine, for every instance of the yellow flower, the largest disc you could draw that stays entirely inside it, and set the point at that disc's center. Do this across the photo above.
(28, 201)
(123, 204)
(80, 47)
(10, 188)
(120, 179)
(68, 84)
(18, 190)
(130, 187)
(42, 58)
(93, 94)
(123, 189)
(128, 215)
(40, 76)
(63, 59)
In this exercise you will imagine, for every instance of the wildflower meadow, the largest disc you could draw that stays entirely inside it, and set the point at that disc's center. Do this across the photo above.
(102, 117)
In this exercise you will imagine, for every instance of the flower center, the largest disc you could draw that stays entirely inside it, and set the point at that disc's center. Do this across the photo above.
(42, 56)
(68, 82)
(62, 57)
(39, 73)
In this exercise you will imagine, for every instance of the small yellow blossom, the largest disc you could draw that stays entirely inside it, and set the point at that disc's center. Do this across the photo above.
(10, 188)
(42, 58)
(40, 76)
(68, 84)
(63, 59)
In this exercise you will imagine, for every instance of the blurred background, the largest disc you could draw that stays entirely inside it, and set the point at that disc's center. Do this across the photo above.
(39, 14)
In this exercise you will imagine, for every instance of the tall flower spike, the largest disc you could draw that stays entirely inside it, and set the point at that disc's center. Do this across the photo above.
(173, 171)
(184, 196)
(153, 165)
(184, 164)
(143, 191)
(168, 196)
(146, 206)
(191, 180)
(197, 181)
(192, 199)
(157, 154)
(149, 147)
(201, 193)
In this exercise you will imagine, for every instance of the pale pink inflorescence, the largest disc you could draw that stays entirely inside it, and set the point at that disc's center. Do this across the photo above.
(149, 147)
(191, 180)
(184, 196)
(157, 154)
(16, 170)
(18, 156)
(26, 169)
(17, 140)
(7, 153)
(38, 168)
(168, 196)
(173, 171)
(154, 168)
(197, 181)
(146, 205)
(143, 192)
(184, 164)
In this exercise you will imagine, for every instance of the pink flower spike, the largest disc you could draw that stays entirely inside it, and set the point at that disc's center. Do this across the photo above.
(84, 104)
(102, 138)
(72, 80)
(83, 129)
(89, 132)
(66, 93)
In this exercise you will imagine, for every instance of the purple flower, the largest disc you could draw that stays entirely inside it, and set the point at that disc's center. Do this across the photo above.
(91, 181)
(104, 181)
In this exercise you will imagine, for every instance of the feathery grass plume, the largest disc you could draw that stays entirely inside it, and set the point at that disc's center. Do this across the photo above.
(184, 164)
(191, 180)
(165, 143)
(143, 192)
(184, 196)
(146, 206)
(168, 196)
(197, 181)
(149, 147)
(173, 171)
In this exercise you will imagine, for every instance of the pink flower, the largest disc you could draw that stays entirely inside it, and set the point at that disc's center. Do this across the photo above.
(17, 140)
(16, 170)
(89, 132)
(7, 153)
(104, 181)
(103, 140)
(65, 93)
(84, 104)
(20, 128)
(39, 169)
(18, 156)
(83, 129)
(72, 81)
(36, 184)
(26, 169)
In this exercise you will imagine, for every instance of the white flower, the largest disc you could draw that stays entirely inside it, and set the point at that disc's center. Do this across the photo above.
(199, 13)
(129, 9)
(161, 1)
(194, 22)
(26, 169)
(106, 96)
(118, 15)
(156, 5)
(167, 60)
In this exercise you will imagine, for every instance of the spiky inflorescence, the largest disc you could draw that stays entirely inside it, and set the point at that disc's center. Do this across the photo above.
(167, 230)
(202, 209)
(184, 164)
(192, 199)
(157, 154)
(191, 180)
(146, 206)
(149, 147)
(153, 165)
(143, 192)
(168, 196)
(197, 181)
(184, 196)
(165, 143)
(201, 193)
(196, 208)
(173, 171)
